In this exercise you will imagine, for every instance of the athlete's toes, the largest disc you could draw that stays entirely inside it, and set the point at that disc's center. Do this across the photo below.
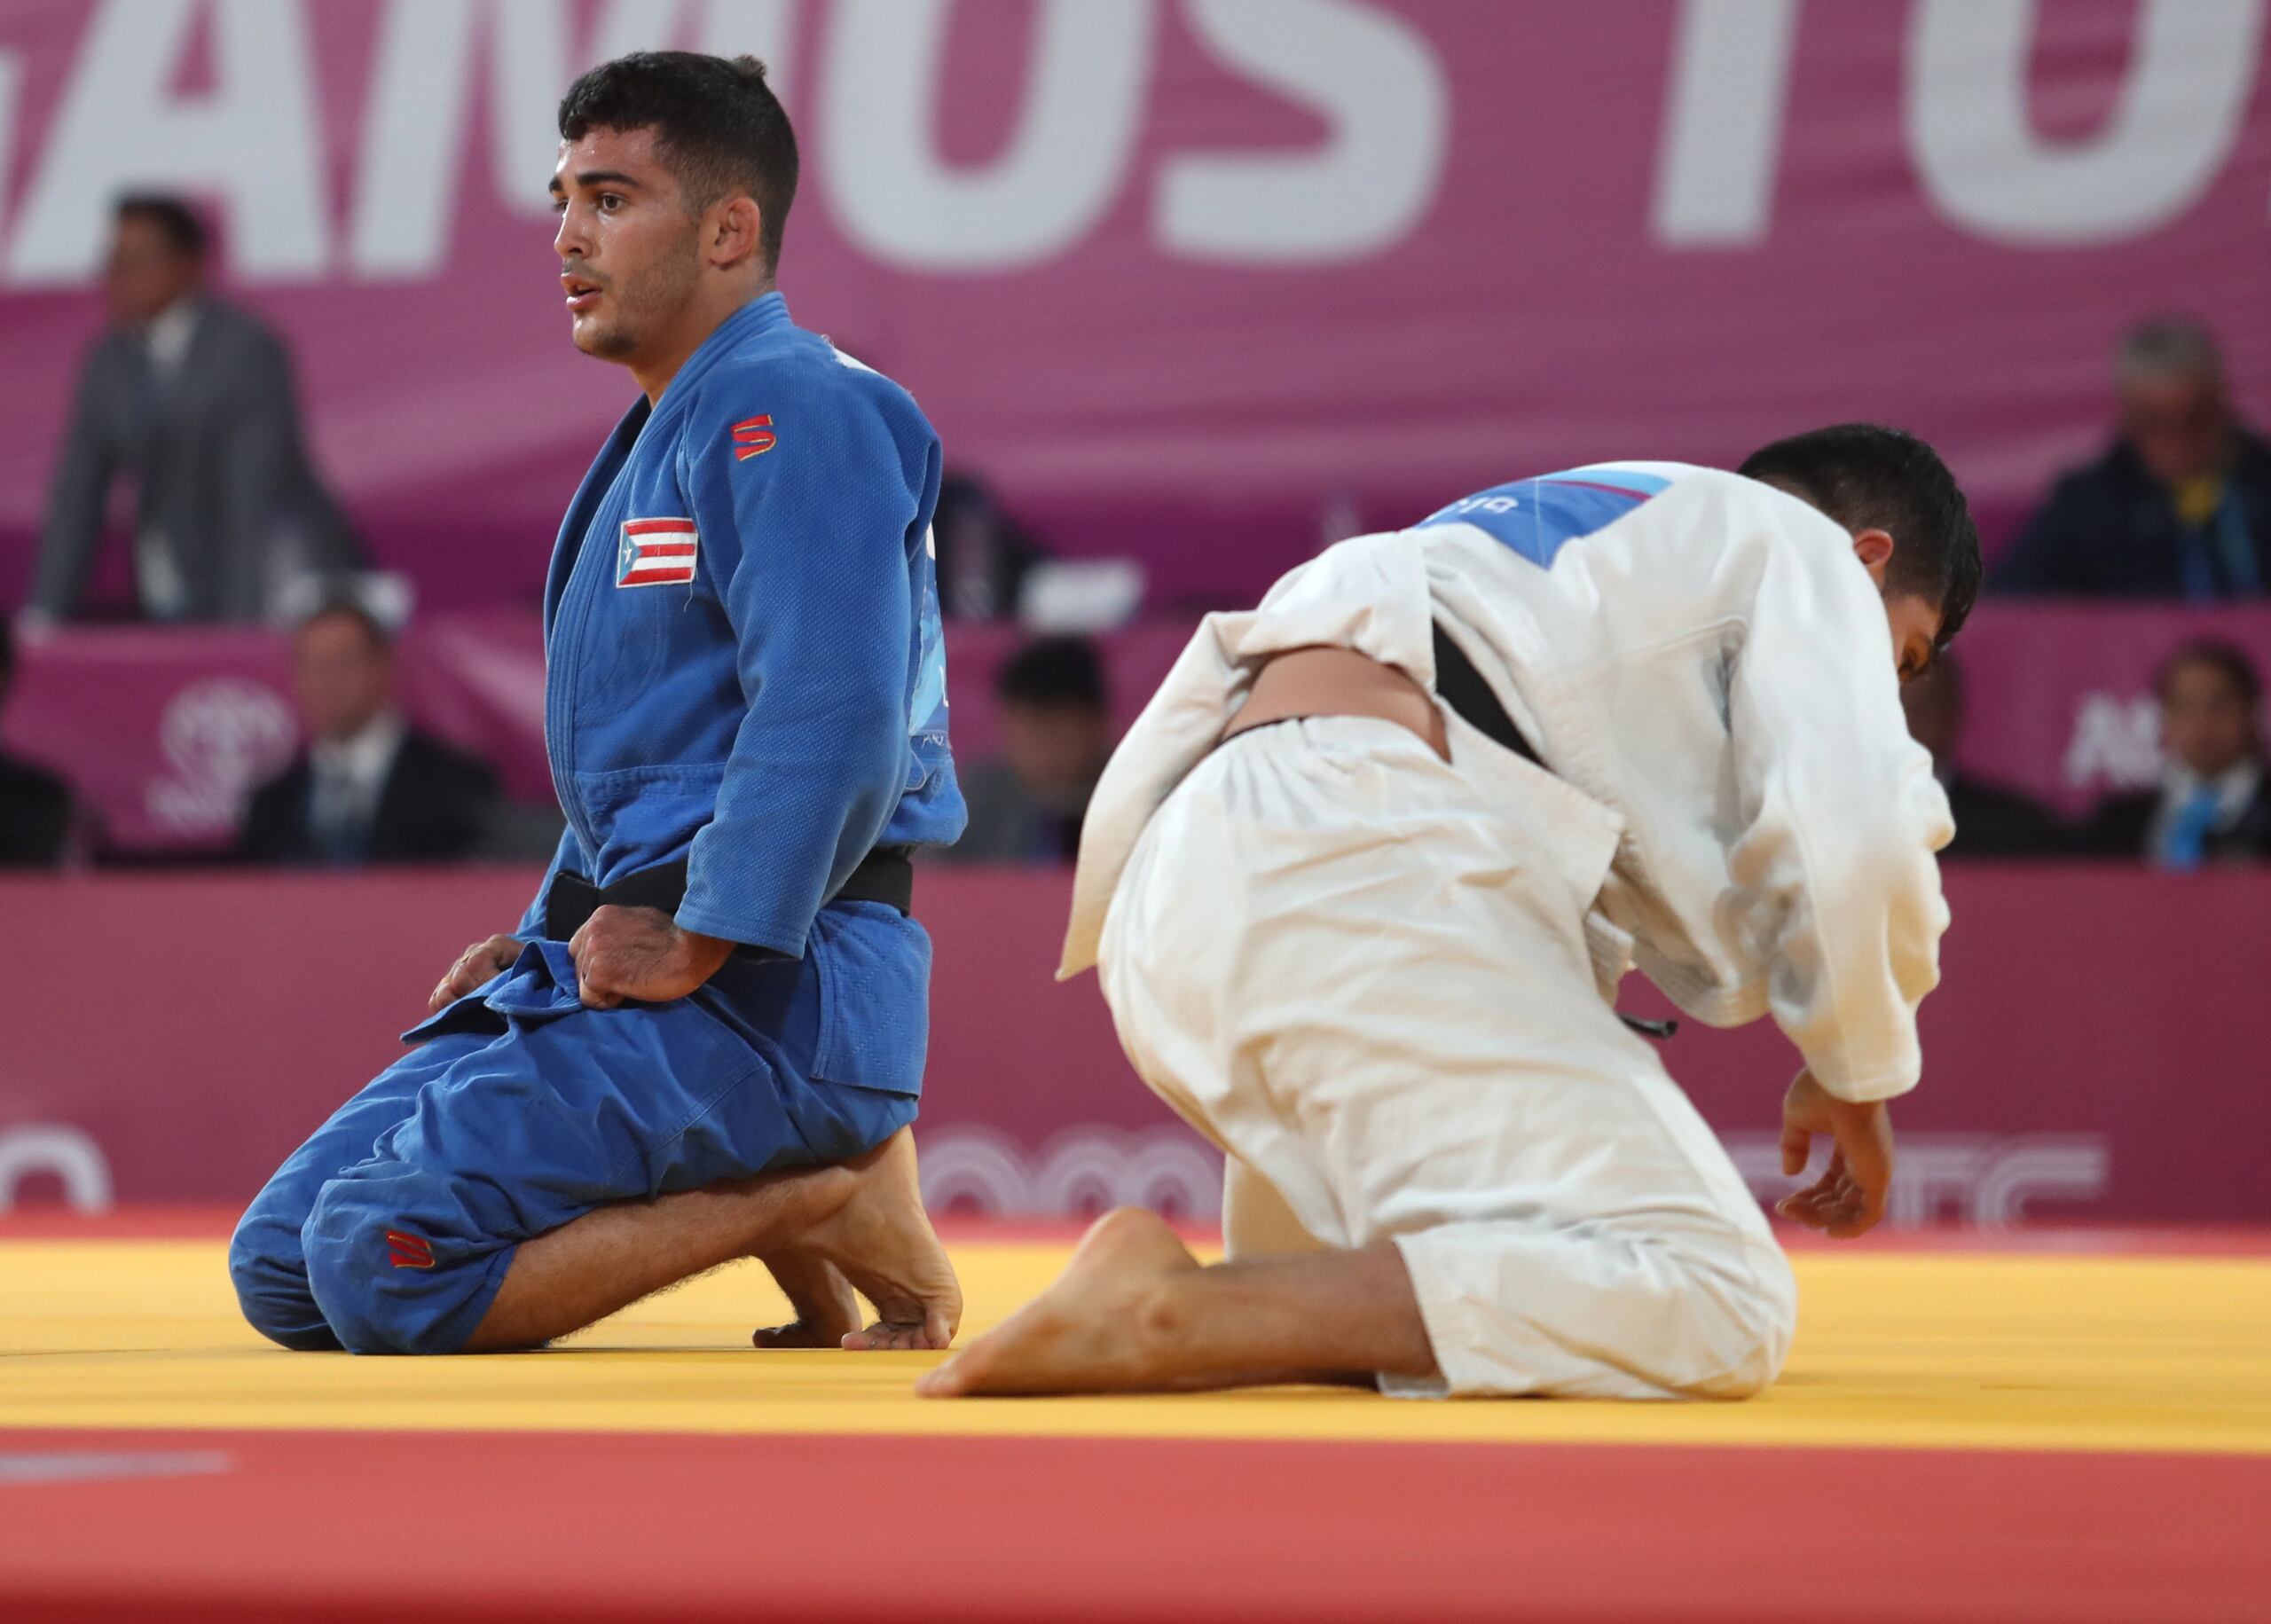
(957, 1376)
(797, 1335)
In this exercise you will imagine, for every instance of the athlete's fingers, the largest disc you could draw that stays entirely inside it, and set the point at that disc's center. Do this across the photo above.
(1858, 1221)
(1819, 1206)
(1863, 1211)
(1825, 1185)
(1797, 1145)
(593, 982)
(1801, 1213)
(886, 1337)
(474, 966)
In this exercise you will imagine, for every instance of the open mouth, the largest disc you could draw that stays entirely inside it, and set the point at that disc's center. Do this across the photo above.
(582, 293)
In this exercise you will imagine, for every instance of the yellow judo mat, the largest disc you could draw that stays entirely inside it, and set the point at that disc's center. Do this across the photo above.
(1901, 1349)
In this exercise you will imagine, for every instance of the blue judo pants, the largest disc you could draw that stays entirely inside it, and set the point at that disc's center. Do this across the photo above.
(390, 1230)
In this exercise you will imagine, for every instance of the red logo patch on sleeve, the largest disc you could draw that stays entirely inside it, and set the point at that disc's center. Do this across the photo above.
(409, 1250)
(753, 437)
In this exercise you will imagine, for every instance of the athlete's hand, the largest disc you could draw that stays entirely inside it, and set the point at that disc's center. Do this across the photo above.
(1849, 1198)
(475, 965)
(640, 954)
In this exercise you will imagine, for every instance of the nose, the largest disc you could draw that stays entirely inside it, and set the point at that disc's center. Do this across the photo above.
(569, 242)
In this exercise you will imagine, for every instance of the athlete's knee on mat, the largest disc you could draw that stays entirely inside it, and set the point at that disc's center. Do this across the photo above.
(391, 1273)
(271, 1277)
(1740, 1325)
(1509, 1311)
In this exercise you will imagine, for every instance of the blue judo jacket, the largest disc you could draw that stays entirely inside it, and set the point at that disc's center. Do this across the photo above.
(744, 667)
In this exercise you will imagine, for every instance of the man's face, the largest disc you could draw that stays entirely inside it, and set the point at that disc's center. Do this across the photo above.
(1915, 631)
(1934, 712)
(1052, 748)
(145, 273)
(344, 675)
(2179, 426)
(1915, 619)
(630, 252)
(2206, 721)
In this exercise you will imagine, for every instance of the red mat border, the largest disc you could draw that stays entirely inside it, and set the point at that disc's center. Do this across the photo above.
(565, 1526)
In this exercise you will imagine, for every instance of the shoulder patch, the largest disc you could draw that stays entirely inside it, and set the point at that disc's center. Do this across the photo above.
(753, 437)
(1536, 518)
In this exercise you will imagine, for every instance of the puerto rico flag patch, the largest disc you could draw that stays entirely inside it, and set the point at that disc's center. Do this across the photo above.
(657, 552)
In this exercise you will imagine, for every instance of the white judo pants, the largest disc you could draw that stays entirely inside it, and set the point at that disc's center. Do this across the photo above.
(1362, 972)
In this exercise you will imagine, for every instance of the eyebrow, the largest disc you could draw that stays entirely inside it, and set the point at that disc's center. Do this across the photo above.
(597, 177)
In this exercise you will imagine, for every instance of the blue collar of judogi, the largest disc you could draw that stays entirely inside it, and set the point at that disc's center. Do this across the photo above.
(761, 314)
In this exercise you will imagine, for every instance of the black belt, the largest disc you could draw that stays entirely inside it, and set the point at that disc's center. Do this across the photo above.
(1466, 690)
(886, 875)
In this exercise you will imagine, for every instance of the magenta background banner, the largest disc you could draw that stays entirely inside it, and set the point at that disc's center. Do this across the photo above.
(164, 732)
(172, 1039)
(1182, 276)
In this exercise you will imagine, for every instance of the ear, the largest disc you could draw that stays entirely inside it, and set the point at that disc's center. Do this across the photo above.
(1874, 548)
(735, 233)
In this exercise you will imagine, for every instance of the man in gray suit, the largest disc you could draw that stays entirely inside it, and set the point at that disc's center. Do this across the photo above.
(193, 400)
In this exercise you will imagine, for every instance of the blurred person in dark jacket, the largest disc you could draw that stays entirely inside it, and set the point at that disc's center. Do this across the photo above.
(983, 555)
(1026, 804)
(369, 789)
(2179, 506)
(35, 806)
(2214, 804)
(192, 400)
(1991, 820)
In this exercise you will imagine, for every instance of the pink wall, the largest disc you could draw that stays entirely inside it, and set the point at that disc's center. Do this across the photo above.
(1175, 272)
(2091, 1052)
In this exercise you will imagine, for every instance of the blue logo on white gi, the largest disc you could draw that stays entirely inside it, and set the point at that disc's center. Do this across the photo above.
(1555, 509)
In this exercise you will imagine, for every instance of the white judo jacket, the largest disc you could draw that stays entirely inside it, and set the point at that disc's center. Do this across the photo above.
(1701, 654)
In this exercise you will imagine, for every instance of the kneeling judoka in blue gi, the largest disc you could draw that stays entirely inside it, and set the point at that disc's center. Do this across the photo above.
(705, 1039)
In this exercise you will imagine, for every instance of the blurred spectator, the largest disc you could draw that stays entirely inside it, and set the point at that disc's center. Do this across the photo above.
(1026, 807)
(1990, 819)
(369, 789)
(2213, 804)
(191, 399)
(35, 806)
(983, 555)
(2178, 507)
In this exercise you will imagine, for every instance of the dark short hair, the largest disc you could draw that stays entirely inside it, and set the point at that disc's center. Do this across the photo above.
(1871, 478)
(176, 221)
(2229, 658)
(354, 609)
(1064, 671)
(720, 127)
(2168, 346)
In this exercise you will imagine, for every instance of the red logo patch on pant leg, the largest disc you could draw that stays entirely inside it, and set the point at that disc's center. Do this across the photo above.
(409, 1250)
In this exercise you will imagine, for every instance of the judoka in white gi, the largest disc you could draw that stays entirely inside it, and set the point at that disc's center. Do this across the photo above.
(1370, 951)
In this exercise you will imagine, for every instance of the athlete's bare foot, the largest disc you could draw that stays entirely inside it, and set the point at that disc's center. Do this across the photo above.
(1089, 1332)
(882, 1240)
(819, 1296)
